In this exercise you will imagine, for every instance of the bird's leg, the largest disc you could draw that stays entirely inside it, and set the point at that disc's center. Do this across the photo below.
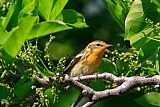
(79, 76)
(96, 76)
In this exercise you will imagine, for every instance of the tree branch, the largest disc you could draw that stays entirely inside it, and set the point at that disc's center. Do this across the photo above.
(124, 84)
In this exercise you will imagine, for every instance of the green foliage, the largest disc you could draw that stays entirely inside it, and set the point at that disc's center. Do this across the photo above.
(28, 63)
(40, 30)
(124, 61)
(23, 22)
(134, 18)
(22, 87)
(72, 18)
(118, 10)
(139, 21)
(14, 42)
(141, 28)
(149, 99)
(4, 91)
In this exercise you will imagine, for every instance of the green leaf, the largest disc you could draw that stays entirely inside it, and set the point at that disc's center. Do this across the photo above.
(139, 39)
(51, 96)
(149, 49)
(23, 86)
(26, 2)
(11, 18)
(49, 93)
(5, 37)
(107, 65)
(17, 36)
(58, 6)
(9, 14)
(150, 99)
(3, 34)
(47, 27)
(28, 9)
(45, 8)
(157, 2)
(98, 85)
(141, 53)
(148, 43)
(149, 52)
(72, 18)
(152, 71)
(67, 97)
(134, 19)
(118, 10)
(3, 91)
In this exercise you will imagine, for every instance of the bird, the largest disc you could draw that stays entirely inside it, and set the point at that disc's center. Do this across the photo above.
(88, 60)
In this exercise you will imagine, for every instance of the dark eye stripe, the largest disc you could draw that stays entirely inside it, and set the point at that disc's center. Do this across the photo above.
(98, 45)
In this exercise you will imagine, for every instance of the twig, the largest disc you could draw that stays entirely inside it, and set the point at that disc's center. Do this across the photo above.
(124, 84)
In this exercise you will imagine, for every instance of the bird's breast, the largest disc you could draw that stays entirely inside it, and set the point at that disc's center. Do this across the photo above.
(94, 59)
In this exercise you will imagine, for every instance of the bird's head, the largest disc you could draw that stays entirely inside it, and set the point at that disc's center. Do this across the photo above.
(98, 46)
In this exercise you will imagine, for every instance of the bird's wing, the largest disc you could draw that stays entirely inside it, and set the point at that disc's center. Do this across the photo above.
(74, 61)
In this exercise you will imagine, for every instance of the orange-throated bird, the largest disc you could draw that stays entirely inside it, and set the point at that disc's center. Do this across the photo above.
(88, 60)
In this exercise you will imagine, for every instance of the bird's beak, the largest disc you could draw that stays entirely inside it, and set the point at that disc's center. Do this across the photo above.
(108, 45)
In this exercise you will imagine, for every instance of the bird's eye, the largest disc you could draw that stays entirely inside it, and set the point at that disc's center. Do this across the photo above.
(98, 45)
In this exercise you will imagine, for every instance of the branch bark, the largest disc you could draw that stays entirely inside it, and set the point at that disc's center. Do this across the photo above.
(124, 84)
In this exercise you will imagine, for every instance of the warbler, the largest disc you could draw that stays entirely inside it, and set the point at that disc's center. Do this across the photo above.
(88, 60)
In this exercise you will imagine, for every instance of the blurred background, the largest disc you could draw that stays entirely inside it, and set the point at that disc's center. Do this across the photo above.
(101, 24)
